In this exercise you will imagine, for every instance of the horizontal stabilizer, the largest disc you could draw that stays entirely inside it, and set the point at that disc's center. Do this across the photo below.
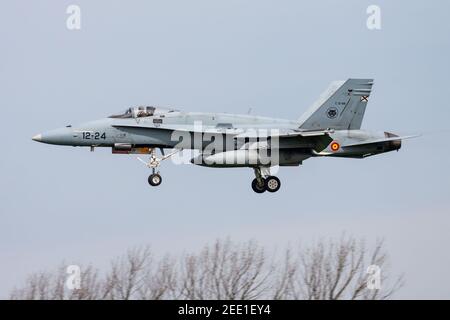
(366, 142)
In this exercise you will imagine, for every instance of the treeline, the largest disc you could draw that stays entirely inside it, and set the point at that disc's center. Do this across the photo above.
(332, 269)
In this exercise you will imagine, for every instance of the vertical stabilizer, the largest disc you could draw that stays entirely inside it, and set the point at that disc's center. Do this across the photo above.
(340, 107)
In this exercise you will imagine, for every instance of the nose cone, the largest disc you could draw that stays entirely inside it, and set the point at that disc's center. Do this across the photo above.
(37, 138)
(63, 136)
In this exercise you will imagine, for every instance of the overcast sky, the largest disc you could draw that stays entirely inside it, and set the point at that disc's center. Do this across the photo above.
(64, 203)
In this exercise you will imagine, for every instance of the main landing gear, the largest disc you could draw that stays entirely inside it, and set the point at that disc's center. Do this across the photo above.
(264, 181)
(155, 178)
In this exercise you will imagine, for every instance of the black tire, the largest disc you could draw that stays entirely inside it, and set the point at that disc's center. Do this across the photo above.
(257, 188)
(272, 184)
(154, 179)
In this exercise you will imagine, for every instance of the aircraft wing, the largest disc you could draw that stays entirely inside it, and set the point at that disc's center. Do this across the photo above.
(288, 138)
(317, 140)
(280, 133)
(238, 133)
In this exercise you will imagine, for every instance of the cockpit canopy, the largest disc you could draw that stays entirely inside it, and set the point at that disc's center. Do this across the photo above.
(140, 112)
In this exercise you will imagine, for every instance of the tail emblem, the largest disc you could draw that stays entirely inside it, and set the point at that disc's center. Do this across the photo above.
(332, 112)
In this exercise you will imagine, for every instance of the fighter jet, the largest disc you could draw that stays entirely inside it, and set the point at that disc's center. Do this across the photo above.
(331, 127)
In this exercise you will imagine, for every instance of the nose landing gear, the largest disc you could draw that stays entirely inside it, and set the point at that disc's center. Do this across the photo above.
(155, 178)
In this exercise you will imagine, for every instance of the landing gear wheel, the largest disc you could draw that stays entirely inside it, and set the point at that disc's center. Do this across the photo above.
(154, 179)
(272, 184)
(257, 187)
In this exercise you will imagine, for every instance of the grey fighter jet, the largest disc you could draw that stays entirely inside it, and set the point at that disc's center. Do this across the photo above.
(331, 127)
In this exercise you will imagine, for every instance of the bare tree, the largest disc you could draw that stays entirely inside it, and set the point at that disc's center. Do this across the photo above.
(128, 273)
(227, 270)
(52, 286)
(160, 282)
(284, 277)
(333, 270)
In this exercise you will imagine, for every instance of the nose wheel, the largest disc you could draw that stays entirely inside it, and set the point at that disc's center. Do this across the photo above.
(155, 178)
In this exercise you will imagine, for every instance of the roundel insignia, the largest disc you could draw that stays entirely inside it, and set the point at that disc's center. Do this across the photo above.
(335, 146)
(332, 112)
